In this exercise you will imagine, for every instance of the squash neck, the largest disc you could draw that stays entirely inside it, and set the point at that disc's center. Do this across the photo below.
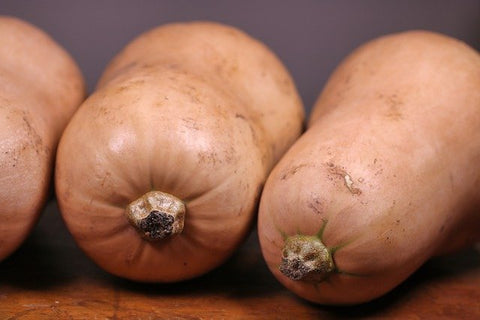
(156, 215)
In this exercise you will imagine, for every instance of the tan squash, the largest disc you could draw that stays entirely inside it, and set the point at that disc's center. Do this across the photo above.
(159, 173)
(386, 176)
(40, 88)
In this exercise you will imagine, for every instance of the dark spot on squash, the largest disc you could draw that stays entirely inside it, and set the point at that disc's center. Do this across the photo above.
(316, 206)
(294, 269)
(157, 225)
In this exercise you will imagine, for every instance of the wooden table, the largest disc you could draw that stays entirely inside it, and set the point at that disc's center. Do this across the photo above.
(50, 278)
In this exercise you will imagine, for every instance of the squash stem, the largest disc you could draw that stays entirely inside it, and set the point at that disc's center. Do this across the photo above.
(306, 258)
(156, 215)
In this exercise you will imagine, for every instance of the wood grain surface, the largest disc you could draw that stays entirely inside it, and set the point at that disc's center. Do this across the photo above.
(50, 278)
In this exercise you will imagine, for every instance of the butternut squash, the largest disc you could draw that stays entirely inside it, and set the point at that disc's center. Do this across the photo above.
(40, 88)
(159, 173)
(386, 176)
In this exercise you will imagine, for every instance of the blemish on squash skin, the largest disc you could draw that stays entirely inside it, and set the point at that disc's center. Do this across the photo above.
(348, 181)
(193, 93)
(240, 116)
(393, 103)
(131, 85)
(316, 205)
(208, 157)
(292, 171)
(28, 141)
(253, 132)
(122, 88)
(105, 178)
(190, 123)
(34, 137)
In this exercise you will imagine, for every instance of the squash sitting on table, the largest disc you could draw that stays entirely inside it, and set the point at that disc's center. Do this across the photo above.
(386, 176)
(159, 173)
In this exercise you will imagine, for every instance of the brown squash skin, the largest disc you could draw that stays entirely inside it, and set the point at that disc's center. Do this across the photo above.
(198, 110)
(387, 173)
(40, 88)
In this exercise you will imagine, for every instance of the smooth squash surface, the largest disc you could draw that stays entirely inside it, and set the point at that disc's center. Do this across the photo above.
(159, 173)
(386, 176)
(40, 88)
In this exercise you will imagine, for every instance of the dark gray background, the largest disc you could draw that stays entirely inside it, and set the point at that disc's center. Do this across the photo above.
(310, 36)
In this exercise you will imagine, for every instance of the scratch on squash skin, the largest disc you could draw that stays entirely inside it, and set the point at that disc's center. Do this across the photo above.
(293, 170)
(349, 182)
